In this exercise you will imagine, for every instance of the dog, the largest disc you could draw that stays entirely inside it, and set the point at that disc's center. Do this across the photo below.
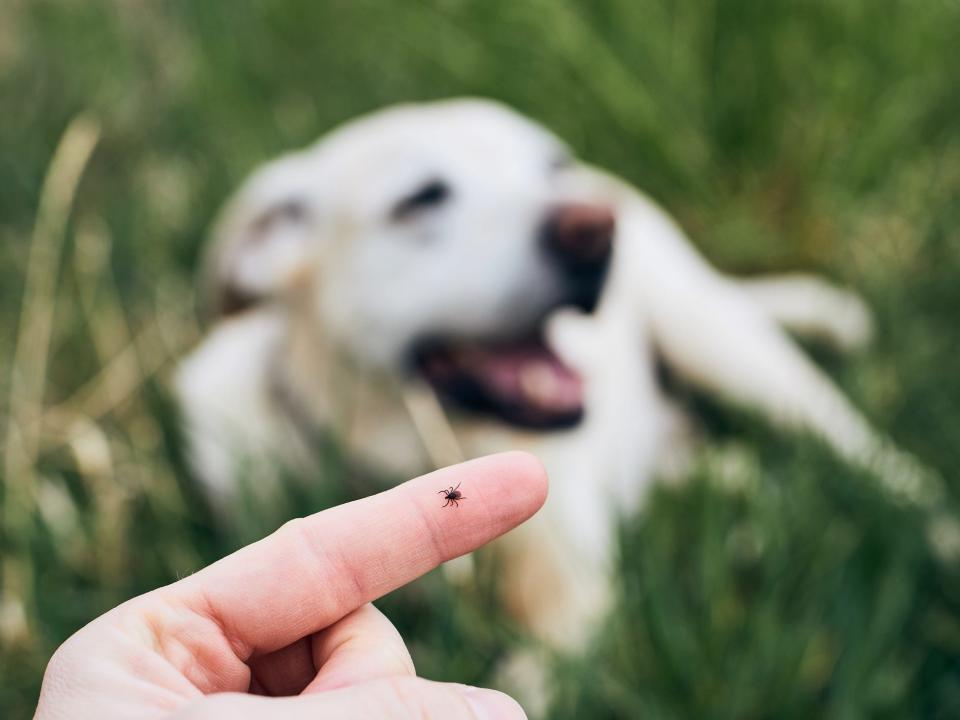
(438, 281)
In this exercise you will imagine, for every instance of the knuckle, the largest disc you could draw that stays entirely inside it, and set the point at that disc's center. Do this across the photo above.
(416, 699)
(403, 699)
(61, 669)
(434, 533)
(60, 661)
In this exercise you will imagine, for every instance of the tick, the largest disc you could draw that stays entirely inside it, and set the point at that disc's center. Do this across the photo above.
(451, 495)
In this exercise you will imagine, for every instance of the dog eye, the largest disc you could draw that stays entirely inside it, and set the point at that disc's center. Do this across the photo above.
(292, 211)
(432, 194)
(561, 161)
(289, 211)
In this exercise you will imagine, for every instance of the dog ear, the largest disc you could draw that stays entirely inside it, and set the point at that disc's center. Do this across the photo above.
(261, 248)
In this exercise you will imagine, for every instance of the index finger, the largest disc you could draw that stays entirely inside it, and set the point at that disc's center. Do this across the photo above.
(315, 570)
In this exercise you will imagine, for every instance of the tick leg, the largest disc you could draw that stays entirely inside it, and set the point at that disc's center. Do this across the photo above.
(458, 486)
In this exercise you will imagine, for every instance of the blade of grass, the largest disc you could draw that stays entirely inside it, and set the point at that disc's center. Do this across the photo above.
(31, 352)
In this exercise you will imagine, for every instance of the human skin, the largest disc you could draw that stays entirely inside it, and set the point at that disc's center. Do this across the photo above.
(284, 627)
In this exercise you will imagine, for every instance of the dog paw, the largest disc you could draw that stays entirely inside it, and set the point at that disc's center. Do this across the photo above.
(848, 324)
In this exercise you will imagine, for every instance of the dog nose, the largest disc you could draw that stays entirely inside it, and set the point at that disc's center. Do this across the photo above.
(580, 234)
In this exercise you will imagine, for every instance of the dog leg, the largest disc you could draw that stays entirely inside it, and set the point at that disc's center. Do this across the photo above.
(557, 567)
(811, 307)
(555, 589)
(235, 440)
(712, 332)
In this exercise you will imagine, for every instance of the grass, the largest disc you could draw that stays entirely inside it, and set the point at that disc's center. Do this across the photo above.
(818, 135)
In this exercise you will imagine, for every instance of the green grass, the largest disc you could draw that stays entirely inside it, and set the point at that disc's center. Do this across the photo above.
(819, 135)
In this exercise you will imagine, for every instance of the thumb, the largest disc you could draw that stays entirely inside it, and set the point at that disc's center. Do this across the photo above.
(398, 698)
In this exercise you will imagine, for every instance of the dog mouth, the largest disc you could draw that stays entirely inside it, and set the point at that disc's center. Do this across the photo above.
(521, 381)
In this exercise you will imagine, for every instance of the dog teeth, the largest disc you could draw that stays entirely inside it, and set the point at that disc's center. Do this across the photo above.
(539, 383)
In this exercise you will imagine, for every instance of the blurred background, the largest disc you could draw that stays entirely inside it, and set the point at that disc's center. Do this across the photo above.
(821, 135)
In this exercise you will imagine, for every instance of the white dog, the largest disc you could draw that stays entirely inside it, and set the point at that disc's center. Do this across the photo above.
(443, 280)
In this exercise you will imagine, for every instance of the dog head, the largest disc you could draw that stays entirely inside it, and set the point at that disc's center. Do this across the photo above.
(430, 239)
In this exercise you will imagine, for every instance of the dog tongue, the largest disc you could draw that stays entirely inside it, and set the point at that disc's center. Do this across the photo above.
(529, 375)
(523, 381)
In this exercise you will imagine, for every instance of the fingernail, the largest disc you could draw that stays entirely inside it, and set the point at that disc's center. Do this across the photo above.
(493, 705)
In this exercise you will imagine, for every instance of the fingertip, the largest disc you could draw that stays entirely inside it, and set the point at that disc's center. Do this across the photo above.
(529, 473)
(516, 479)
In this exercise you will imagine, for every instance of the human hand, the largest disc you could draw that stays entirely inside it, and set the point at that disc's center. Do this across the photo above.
(283, 628)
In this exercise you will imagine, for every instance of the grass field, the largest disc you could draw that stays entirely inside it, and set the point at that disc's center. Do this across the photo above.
(821, 135)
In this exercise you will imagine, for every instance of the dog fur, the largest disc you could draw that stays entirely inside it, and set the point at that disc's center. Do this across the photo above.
(323, 278)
